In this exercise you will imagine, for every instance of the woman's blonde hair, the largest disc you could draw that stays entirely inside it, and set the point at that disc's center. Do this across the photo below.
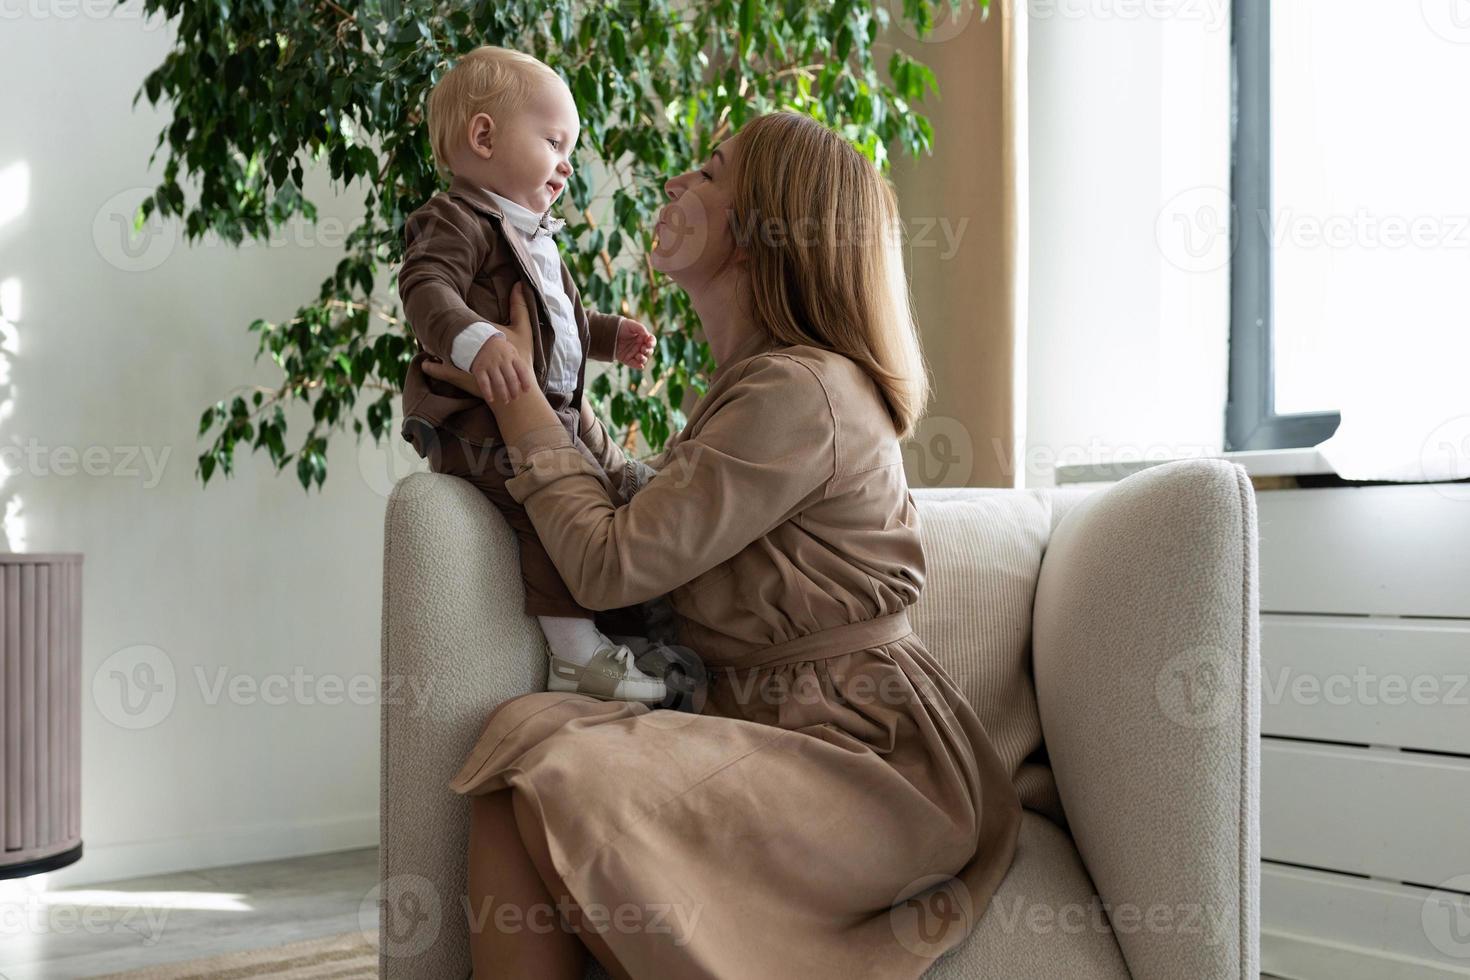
(820, 225)
(488, 79)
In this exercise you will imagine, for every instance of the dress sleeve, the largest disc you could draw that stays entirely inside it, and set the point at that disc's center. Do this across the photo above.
(762, 453)
(627, 474)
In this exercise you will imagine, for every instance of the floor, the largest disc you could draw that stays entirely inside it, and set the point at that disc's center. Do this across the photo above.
(122, 925)
(107, 927)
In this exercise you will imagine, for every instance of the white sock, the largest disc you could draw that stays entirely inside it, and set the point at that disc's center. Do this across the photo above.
(572, 637)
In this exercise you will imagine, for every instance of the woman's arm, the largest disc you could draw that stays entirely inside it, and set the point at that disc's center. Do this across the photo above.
(520, 416)
(764, 450)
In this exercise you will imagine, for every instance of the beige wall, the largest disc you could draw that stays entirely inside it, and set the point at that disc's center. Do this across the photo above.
(960, 208)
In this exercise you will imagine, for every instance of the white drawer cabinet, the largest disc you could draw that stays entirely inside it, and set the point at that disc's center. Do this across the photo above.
(1365, 724)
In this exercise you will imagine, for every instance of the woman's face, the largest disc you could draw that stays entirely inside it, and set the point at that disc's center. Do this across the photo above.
(694, 237)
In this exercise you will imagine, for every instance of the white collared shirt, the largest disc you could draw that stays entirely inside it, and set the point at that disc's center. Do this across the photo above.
(565, 355)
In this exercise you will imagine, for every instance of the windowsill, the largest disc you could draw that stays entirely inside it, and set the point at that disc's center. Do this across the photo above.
(1257, 463)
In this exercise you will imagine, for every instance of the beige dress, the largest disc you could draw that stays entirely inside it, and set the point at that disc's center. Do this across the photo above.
(836, 809)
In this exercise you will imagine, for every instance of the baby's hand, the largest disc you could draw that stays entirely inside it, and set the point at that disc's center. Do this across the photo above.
(499, 371)
(635, 343)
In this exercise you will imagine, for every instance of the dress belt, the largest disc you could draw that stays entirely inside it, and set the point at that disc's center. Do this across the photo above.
(830, 642)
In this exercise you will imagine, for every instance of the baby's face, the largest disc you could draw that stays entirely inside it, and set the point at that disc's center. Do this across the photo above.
(532, 149)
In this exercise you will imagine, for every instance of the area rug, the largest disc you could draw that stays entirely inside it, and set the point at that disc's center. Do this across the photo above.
(348, 956)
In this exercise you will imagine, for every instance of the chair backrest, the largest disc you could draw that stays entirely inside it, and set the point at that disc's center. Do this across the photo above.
(983, 549)
(455, 643)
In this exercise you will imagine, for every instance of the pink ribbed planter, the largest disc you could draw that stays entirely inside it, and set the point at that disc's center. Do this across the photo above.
(40, 712)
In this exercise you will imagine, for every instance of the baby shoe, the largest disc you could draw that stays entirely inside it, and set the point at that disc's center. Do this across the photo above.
(611, 675)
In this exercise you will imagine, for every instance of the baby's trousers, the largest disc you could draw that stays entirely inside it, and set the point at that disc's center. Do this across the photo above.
(487, 467)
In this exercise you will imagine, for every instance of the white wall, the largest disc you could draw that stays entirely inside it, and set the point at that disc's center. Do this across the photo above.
(1129, 178)
(122, 349)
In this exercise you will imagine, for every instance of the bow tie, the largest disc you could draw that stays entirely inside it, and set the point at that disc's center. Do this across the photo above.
(549, 225)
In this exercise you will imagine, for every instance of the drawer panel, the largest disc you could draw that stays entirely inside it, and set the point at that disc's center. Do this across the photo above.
(1320, 925)
(1392, 550)
(1397, 815)
(1403, 683)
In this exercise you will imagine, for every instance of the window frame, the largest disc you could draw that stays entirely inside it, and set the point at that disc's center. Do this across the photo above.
(1251, 419)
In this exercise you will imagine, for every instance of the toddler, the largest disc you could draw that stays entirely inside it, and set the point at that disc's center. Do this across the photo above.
(503, 126)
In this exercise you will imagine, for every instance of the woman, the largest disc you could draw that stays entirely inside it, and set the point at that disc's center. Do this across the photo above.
(836, 809)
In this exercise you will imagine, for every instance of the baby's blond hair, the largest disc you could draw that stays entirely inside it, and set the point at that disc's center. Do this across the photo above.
(489, 79)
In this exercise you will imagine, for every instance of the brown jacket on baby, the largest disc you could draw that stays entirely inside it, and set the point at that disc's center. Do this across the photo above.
(459, 264)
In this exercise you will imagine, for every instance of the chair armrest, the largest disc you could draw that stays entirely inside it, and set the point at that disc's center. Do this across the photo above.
(1146, 654)
(455, 643)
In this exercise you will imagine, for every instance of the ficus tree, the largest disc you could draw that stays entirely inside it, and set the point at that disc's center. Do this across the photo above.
(262, 89)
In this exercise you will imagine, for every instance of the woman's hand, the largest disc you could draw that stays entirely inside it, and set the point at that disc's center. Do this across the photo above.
(452, 374)
(519, 328)
(491, 367)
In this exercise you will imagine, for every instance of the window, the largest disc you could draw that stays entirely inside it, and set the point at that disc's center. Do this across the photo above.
(1352, 216)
